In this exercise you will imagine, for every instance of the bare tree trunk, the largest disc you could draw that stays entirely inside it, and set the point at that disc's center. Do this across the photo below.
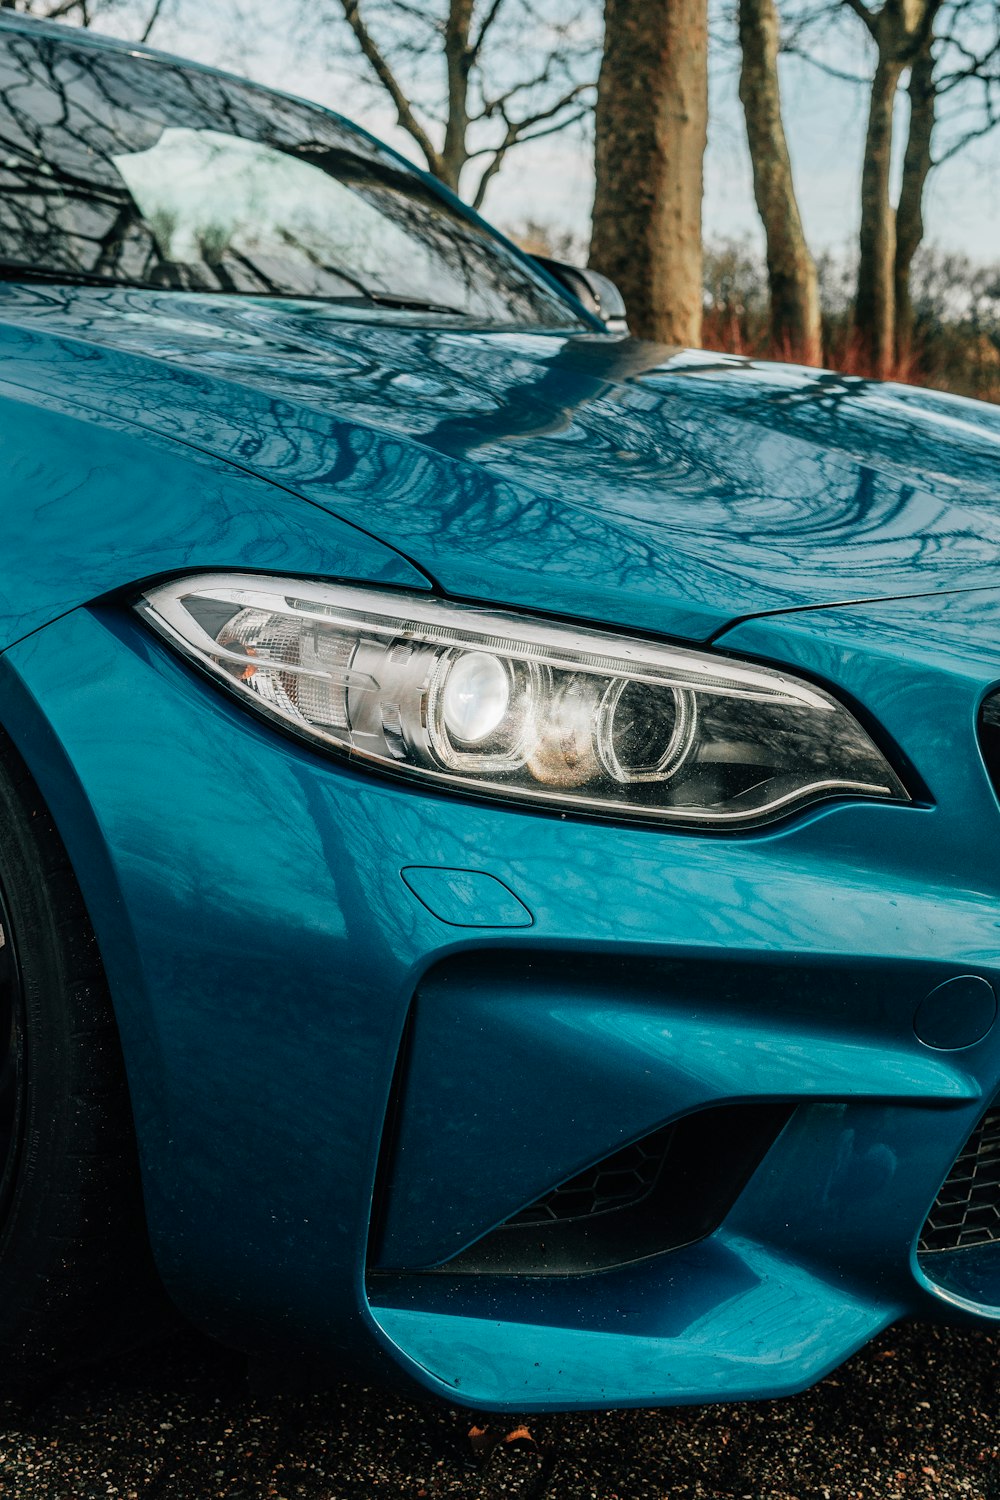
(903, 32)
(791, 271)
(458, 61)
(651, 130)
(875, 308)
(917, 164)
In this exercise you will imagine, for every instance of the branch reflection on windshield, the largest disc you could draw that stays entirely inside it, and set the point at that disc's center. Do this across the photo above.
(139, 171)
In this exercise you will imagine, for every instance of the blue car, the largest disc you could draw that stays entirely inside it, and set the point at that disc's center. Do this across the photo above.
(498, 820)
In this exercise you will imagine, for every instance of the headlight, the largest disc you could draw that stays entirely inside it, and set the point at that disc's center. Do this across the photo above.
(511, 706)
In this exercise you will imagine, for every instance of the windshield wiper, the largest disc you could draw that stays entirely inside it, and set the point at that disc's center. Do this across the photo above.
(18, 270)
(414, 304)
(23, 271)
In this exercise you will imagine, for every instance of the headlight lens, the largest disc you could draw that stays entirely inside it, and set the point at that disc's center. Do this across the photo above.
(521, 708)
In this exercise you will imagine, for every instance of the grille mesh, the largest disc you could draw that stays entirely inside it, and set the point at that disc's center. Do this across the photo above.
(619, 1181)
(967, 1209)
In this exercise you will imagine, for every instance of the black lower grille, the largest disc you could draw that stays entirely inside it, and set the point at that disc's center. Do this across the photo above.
(619, 1181)
(966, 1211)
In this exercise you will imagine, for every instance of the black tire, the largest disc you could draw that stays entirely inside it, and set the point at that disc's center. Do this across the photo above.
(76, 1278)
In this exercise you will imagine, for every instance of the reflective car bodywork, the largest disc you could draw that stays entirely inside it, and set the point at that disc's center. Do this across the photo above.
(366, 1024)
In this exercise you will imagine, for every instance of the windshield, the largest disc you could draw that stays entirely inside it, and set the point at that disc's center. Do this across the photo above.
(140, 171)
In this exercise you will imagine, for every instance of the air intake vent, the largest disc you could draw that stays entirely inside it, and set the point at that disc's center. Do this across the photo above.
(966, 1211)
(667, 1190)
(989, 738)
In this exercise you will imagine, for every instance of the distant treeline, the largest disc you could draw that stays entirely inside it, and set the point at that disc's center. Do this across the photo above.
(955, 344)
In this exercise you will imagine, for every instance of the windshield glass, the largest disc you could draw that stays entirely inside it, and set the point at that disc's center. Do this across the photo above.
(137, 170)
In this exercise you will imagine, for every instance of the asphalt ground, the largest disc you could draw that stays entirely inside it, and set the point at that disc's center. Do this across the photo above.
(915, 1414)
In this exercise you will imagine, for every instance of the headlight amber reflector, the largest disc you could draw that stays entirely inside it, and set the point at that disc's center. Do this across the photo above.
(512, 706)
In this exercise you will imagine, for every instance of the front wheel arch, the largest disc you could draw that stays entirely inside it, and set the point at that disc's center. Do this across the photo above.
(76, 1274)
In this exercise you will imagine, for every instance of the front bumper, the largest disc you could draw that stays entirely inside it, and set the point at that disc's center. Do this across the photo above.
(268, 962)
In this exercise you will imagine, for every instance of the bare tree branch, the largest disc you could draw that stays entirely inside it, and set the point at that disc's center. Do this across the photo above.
(154, 16)
(519, 133)
(789, 49)
(493, 167)
(536, 135)
(389, 82)
(513, 70)
(484, 26)
(498, 104)
(570, 97)
(989, 123)
(869, 18)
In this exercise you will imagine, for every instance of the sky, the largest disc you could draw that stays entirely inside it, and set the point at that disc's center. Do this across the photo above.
(551, 182)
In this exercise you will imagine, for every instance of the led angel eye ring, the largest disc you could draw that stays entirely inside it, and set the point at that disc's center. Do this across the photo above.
(675, 752)
(523, 681)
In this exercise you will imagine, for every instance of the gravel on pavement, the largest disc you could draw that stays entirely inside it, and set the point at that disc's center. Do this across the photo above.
(914, 1414)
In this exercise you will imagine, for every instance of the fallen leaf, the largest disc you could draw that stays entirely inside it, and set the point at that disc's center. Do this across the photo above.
(519, 1435)
(481, 1439)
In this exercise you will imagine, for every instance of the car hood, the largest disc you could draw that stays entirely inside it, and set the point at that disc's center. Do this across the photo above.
(588, 474)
